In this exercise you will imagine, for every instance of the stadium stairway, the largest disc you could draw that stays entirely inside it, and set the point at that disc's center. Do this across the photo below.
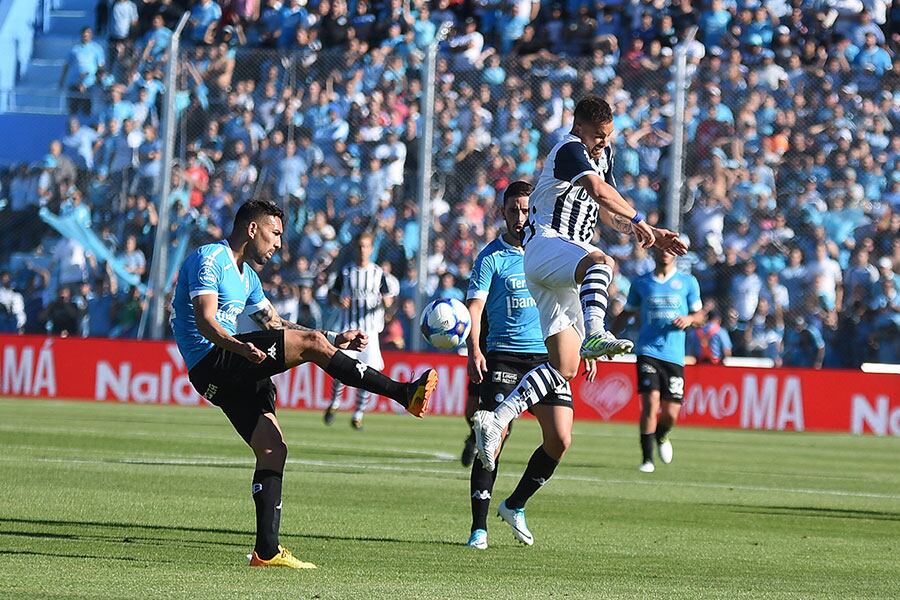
(38, 92)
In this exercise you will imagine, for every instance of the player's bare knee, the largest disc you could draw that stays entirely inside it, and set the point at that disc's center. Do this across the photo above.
(272, 451)
(306, 344)
(557, 445)
(569, 372)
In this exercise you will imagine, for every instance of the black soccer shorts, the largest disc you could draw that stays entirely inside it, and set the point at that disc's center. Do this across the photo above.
(505, 369)
(242, 389)
(658, 375)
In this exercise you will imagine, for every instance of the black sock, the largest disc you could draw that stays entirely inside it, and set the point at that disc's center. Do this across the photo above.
(647, 441)
(540, 468)
(662, 430)
(352, 372)
(481, 486)
(267, 497)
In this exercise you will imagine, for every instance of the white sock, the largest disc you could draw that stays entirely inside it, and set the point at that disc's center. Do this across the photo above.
(594, 297)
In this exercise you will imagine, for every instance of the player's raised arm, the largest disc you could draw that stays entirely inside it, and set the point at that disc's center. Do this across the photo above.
(612, 201)
(666, 240)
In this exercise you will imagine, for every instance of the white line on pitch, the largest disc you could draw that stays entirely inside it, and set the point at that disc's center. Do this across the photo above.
(375, 466)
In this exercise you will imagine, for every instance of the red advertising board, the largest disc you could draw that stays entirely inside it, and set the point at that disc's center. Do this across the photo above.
(154, 373)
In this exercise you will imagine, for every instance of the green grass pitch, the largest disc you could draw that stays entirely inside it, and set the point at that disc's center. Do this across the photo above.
(124, 501)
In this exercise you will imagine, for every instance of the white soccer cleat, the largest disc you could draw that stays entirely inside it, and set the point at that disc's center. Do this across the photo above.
(665, 451)
(478, 540)
(604, 344)
(515, 517)
(647, 467)
(488, 435)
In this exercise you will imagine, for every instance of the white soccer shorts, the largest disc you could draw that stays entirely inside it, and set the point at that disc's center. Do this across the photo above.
(550, 263)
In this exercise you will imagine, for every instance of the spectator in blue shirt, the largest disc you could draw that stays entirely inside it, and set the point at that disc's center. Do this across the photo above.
(80, 70)
(205, 15)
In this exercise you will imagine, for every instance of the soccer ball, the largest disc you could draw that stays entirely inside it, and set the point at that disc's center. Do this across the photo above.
(445, 323)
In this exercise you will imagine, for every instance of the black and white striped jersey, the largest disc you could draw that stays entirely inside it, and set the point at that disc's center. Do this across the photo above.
(366, 288)
(560, 204)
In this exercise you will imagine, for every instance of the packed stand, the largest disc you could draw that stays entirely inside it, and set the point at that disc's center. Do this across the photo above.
(792, 150)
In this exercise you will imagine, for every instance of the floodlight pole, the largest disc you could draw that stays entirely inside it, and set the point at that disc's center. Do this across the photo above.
(423, 187)
(676, 158)
(159, 264)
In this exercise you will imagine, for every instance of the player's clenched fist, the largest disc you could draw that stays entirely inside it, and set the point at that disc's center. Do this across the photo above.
(252, 353)
(352, 339)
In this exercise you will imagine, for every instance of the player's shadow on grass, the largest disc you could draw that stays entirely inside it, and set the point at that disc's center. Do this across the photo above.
(134, 533)
(817, 512)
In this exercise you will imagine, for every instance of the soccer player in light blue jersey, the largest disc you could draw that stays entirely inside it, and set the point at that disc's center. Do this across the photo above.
(513, 347)
(234, 372)
(667, 302)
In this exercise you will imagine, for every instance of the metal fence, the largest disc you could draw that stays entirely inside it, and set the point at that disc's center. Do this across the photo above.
(335, 137)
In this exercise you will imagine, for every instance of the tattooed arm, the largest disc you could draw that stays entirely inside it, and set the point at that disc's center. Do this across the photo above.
(268, 318)
(664, 239)
(617, 222)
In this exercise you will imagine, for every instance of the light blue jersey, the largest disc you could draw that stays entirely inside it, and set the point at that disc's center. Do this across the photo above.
(498, 278)
(661, 301)
(211, 269)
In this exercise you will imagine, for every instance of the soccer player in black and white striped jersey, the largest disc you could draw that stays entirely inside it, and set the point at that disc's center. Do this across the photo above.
(567, 276)
(362, 292)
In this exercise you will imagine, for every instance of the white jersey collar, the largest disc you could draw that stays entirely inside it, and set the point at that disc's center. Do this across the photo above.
(231, 256)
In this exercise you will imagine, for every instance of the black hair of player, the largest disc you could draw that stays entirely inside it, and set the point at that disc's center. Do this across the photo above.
(517, 189)
(254, 209)
(594, 110)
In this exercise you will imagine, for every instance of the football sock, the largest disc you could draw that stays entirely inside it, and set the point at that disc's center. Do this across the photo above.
(540, 468)
(594, 297)
(362, 400)
(352, 372)
(536, 384)
(337, 390)
(267, 497)
(481, 486)
(647, 441)
(662, 430)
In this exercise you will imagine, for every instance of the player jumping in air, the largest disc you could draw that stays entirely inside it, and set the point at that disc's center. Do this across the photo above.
(233, 372)
(567, 276)
(514, 346)
(667, 302)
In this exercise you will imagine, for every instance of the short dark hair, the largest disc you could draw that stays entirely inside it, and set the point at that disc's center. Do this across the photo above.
(254, 209)
(517, 189)
(593, 109)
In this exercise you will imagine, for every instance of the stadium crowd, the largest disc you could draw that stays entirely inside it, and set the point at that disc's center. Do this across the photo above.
(792, 152)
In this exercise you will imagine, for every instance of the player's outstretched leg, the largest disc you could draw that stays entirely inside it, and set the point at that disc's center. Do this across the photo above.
(337, 391)
(271, 453)
(594, 296)
(311, 346)
(489, 425)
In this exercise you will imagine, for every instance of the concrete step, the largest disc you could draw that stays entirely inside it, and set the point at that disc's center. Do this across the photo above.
(85, 5)
(70, 22)
(42, 75)
(53, 45)
(38, 100)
